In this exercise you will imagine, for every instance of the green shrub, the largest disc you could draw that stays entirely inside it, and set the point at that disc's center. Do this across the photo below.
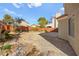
(9, 36)
(46, 31)
(5, 36)
(7, 46)
(2, 37)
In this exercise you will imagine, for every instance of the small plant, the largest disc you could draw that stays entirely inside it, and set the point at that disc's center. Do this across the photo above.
(4, 35)
(46, 31)
(7, 46)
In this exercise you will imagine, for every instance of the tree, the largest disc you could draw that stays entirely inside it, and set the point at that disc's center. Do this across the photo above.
(19, 20)
(42, 21)
(8, 19)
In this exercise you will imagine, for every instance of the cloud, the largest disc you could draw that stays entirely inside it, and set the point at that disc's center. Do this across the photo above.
(62, 9)
(7, 11)
(31, 5)
(17, 5)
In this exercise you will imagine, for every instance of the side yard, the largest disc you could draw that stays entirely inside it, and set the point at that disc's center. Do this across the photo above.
(60, 44)
(31, 44)
(38, 44)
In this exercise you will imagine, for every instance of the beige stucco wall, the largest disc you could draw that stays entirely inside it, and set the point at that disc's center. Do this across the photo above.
(54, 23)
(62, 28)
(73, 11)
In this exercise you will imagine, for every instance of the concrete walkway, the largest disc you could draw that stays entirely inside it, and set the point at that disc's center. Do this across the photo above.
(60, 44)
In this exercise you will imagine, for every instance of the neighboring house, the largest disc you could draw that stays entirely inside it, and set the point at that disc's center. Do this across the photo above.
(34, 25)
(68, 25)
(49, 25)
(54, 22)
(21, 22)
(24, 23)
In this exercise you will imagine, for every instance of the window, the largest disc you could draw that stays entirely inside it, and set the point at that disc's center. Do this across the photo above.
(71, 27)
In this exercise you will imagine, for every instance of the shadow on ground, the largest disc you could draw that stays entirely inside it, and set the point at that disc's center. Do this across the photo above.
(61, 44)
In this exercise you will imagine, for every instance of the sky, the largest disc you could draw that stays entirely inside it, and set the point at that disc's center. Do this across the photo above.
(31, 12)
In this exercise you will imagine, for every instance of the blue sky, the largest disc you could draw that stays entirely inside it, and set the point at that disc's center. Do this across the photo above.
(31, 11)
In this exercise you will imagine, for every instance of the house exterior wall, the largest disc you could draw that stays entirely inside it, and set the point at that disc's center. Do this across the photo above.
(62, 28)
(73, 11)
(55, 21)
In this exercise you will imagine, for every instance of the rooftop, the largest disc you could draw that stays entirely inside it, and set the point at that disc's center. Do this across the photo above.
(64, 15)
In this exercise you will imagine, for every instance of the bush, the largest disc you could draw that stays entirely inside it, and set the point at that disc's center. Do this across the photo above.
(7, 46)
(2, 37)
(5, 36)
(46, 31)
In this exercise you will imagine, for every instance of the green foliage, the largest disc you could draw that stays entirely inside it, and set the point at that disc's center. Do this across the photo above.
(5, 36)
(42, 22)
(46, 31)
(2, 35)
(8, 19)
(7, 46)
